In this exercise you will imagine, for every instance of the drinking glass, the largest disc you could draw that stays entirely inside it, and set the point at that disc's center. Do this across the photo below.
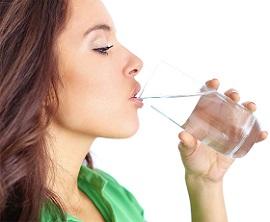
(211, 117)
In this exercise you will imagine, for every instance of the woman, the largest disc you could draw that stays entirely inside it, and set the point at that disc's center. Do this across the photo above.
(66, 80)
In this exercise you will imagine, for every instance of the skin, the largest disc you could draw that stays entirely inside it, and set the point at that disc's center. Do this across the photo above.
(205, 169)
(94, 102)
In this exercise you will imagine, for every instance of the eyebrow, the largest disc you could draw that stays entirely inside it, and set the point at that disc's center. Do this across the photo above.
(97, 27)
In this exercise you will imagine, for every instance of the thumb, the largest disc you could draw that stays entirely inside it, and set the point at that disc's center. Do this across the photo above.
(188, 144)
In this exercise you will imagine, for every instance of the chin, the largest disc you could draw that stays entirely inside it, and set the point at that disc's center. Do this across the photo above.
(125, 131)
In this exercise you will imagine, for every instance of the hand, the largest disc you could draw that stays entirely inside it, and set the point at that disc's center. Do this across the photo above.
(203, 162)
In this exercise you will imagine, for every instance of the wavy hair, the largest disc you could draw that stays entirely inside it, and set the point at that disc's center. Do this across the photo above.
(29, 79)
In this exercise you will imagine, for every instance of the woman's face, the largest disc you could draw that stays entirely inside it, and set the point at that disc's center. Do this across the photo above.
(98, 84)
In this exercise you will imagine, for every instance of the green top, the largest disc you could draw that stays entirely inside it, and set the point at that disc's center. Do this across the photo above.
(114, 202)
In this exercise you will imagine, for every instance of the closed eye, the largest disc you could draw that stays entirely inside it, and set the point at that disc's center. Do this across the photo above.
(103, 50)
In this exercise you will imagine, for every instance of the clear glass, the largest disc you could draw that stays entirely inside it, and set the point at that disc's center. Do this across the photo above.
(208, 115)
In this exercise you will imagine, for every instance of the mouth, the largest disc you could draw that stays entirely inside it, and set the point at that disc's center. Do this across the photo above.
(136, 91)
(134, 99)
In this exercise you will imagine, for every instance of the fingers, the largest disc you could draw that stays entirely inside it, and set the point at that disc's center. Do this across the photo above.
(187, 139)
(262, 136)
(188, 144)
(233, 94)
(251, 106)
(213, 84)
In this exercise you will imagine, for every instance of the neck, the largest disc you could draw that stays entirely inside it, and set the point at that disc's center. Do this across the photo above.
(67, 150)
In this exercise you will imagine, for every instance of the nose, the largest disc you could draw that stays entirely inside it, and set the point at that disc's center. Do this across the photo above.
(134, 65)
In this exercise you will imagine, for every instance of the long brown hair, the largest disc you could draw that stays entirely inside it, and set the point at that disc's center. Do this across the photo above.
(29, 79)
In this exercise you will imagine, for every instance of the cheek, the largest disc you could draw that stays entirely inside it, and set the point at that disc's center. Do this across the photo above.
(94, 99)
(90, 102)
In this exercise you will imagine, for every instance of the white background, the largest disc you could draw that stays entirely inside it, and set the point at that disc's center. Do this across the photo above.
(229, 40)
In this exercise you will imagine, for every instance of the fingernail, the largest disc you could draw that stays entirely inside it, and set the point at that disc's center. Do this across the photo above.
(187, 139)
(233, 91)
(182, 137)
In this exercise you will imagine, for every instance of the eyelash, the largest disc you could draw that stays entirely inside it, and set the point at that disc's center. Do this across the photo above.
(103, 50)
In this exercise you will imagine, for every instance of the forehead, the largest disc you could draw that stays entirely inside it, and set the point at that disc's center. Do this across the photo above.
(86, 13)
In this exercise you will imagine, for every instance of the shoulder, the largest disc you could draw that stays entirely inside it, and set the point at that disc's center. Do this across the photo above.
(122, 198)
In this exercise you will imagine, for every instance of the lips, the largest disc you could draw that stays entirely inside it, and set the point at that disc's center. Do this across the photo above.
(136, 91)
